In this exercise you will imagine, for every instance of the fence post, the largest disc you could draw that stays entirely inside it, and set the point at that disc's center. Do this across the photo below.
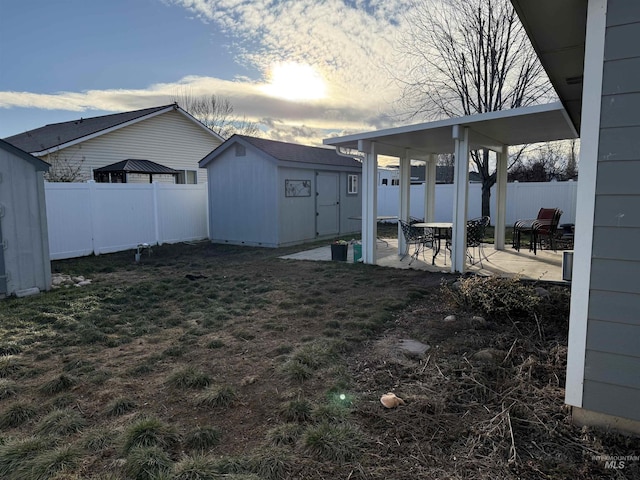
(156, 213)
(95, 244)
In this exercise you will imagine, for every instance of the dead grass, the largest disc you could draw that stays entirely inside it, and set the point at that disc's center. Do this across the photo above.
(292, 358)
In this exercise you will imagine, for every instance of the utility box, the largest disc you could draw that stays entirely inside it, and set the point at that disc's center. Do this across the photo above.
(567, 266)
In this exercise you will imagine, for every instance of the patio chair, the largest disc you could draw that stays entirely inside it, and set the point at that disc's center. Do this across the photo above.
(476, 229)
(541, 229)
(416, 237)
(546, 227)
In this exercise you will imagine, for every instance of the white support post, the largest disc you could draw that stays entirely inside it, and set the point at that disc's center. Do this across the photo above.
(369, 202)
(405, 198)
(501, 197)
(461, 189)
(430, 189)
(585, 206)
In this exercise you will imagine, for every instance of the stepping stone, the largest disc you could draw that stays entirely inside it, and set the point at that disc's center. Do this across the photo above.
(413, 347)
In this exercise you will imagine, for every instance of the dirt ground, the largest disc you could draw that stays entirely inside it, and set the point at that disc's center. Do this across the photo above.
(302, 346)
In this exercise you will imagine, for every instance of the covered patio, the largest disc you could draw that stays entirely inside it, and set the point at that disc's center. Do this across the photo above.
(546, 265)
(495, 131)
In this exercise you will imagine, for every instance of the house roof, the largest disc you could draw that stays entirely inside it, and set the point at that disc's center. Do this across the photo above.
(40, 165)
(64, 134)
(493, 130)
(136, 166)
(557, 32)
(287, 152)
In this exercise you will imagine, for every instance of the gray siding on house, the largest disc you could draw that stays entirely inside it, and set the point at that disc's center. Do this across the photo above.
(602, 303)
(612, 361)
(624, 369)
(611, 399)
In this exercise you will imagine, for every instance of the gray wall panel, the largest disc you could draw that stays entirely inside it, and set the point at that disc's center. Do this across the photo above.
(621, 76)
(611, 399)
(617, 369)
(622, 143)
(622, 42)
(620, 12)
(612, 363)
(615, 338)
(615, 306)
(618, 178)
(620, 110)
(615, 275)
(617, 243)
(617, 211)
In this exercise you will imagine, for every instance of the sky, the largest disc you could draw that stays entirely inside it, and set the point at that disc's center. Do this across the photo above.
(302, 69)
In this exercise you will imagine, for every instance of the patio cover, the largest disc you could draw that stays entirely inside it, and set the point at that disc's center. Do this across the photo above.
(494, 130)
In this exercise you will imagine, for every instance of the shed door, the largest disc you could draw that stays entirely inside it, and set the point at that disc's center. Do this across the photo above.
(327, 203)
(3, 275)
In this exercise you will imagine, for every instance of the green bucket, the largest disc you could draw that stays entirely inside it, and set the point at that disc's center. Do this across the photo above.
(357, 252)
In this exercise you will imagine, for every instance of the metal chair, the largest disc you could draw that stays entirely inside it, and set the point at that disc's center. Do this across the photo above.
(543, 227)
(546, 227)
(476, 229)
(416, 237)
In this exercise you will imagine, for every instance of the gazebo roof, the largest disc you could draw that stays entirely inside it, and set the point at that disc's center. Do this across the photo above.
(493, 130)
(137, 166)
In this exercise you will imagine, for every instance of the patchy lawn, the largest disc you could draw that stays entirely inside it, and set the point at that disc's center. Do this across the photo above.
(211, 361)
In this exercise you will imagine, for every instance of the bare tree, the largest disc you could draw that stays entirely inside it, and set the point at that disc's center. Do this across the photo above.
(468, 57)
(65, 167)
(217, 113)
(571, 168)
(548, 161)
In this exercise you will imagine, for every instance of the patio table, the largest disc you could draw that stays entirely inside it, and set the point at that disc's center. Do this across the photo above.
(440, 230)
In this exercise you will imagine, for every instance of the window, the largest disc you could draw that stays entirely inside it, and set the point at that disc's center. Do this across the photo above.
(395, 181)
(241, 151)
(385, 181)
(352, 184)
(187, 176)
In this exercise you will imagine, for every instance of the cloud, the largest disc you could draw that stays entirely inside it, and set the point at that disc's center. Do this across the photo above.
(350, 43)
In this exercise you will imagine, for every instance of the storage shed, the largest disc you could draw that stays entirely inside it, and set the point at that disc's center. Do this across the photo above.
(269, 193)
(24, 253)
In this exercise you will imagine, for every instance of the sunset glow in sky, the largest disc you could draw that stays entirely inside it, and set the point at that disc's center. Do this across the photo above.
(302, 69)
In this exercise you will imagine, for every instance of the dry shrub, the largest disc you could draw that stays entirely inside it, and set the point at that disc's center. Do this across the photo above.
(494, 296)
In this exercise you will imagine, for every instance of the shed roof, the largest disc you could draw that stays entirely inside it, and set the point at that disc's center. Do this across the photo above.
(132, 165)
(64, 134)
(287, 152)
(39, 165)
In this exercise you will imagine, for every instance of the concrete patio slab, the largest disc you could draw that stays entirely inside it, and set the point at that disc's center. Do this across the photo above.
(545, 266)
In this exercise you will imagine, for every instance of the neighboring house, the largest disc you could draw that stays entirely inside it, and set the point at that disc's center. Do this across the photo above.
(591, 52)
(166, 135)
(269, 193)
(24, 246)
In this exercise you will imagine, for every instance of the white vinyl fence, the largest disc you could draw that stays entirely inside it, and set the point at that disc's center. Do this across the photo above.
(87, 218)
(94, 218)
(523, 200)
